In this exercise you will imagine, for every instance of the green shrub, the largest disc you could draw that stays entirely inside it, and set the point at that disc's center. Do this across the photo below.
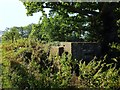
(27, 66)
(40, 71)
(99, 74)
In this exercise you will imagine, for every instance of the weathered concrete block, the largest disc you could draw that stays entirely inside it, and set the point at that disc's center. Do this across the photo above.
(67, 46)
(82, 50)
(56, 50)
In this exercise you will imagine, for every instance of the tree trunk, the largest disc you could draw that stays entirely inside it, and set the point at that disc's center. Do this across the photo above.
(110, 28)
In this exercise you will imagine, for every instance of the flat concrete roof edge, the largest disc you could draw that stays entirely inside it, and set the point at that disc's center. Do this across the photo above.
(79, 42)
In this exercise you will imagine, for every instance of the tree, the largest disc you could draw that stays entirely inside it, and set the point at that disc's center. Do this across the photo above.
(35, 31)
(25, 31)
(56, 28)
(101, 17)
(11, 34)
(59, 28)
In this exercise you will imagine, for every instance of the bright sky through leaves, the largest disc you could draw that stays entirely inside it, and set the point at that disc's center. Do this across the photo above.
(13, 13)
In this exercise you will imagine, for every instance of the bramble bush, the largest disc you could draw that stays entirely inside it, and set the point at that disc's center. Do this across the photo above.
(26, 65)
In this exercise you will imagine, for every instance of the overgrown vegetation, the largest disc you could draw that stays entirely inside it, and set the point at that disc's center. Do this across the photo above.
(26, 60)
(26, 65)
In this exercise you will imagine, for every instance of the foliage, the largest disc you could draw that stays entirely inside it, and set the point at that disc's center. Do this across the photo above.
(35, 31)
(88, 11)
(99, 74)
(26, 65)
(59, 28)
(26, 59)
(11, 35)
(97, 21)
(25, 31)
(29, 67)
(14, 33)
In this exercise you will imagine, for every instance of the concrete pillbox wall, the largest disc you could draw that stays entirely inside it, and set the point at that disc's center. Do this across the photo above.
(82, 50)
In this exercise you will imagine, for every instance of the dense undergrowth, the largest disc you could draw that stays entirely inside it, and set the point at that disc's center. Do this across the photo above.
(26, 65)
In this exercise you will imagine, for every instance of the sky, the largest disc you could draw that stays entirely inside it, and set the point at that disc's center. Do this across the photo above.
(13, 13)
